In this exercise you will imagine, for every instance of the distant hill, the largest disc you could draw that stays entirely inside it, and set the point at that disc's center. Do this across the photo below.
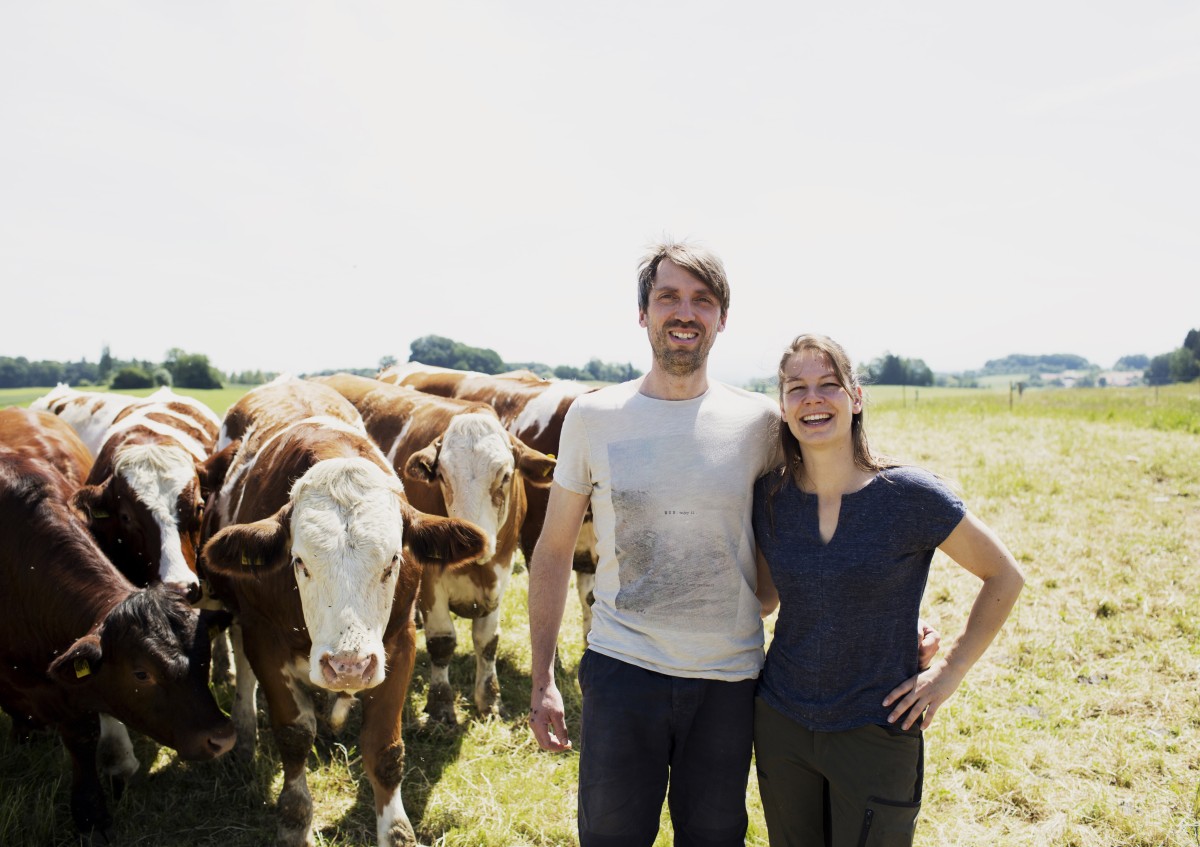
(1019, 363)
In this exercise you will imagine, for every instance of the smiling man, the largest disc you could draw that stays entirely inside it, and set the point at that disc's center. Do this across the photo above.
(667, 463)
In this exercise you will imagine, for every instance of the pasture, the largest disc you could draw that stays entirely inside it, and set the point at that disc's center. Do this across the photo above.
(1079, 728)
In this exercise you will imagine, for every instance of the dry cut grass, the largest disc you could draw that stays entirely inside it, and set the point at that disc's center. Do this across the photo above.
(1078, 728)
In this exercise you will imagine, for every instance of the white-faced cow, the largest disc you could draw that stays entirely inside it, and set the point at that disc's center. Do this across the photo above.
(456, 460)
(320, 557)
(145, 494)
(76, 639)
(90, 413)
(532, 409)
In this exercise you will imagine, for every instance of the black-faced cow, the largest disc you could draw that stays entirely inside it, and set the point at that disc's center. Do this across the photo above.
(77, 639)
(532, 409)
(457, 460)
(320, 556)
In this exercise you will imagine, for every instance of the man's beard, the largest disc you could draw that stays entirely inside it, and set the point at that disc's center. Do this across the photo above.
(677, 362)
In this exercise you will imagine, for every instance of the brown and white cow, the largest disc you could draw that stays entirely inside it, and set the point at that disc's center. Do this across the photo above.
(532, 409)
(43, 435)
(320, 556)
(90, 413)
(145, 494)
(76, 639)
(457, 460)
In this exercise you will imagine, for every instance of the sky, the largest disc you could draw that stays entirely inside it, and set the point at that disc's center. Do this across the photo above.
(297, 186)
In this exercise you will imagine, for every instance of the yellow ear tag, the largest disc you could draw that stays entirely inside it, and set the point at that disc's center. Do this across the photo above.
(245, 559)
(100, 514)
(551, 456)
(82, 668)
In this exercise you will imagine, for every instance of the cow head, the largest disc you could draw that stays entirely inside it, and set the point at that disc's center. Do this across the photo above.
(147, 666)
(343, 535)
(146, 516)
(478, 467)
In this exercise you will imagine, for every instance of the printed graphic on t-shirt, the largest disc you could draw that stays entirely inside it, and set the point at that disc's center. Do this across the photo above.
(673, 554)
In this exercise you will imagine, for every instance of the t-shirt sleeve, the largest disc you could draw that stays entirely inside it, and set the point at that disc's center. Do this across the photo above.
(935, 510)
(571, 469)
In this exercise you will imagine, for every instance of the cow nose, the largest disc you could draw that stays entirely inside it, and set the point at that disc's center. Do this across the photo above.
(189, 591)
(348, 670)
(221, 741)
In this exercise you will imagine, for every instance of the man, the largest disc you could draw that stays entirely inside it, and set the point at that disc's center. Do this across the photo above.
(667, 463)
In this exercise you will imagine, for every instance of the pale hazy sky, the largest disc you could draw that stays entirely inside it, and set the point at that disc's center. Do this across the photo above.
(298, 186)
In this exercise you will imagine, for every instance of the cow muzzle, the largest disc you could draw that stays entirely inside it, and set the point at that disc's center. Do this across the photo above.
(349, 671)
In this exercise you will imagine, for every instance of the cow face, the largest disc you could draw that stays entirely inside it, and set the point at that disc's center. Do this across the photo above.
(147, 515)
(474, 466)
(148, 667)
(341, 536)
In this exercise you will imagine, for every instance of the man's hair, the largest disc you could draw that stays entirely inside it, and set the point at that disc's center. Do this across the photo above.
(696, 260)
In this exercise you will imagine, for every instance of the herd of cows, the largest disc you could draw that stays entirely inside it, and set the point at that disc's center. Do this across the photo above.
(316, 523)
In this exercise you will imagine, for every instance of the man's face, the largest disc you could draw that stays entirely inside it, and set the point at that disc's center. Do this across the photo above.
(682, 319)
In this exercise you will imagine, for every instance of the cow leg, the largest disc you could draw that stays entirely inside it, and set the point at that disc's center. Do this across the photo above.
(115, 750)
(245, 707)
(294, 725)
(382, 747)
(440, 641)
(485, 632)
(88, 808)
(223, 659)
(585, 583)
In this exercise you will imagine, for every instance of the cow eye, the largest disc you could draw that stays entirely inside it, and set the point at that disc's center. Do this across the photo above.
(141, 676)
(298, 564)
(390, 570)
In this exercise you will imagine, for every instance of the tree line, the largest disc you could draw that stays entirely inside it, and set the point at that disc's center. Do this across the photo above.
(1180, 365)
(179, 368)
(448, 353)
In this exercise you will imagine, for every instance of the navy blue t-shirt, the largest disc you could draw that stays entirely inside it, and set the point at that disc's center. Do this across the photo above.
(847, 628)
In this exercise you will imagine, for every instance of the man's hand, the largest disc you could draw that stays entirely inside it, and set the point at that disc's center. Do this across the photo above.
(546, 718)
(929, 640)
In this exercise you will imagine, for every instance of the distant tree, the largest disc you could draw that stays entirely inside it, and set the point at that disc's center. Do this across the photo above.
(162, 377)
(1192, 342)
(105, 368)
(1025, 363)
(191, 370)
(14, 373)
(568, 372)
(894, 370)
(386, 361)
(1184, 366)
(1132, 363)
(1159, 371)
(82, 372)
(448, 353)
(132, 377)
(45, 373)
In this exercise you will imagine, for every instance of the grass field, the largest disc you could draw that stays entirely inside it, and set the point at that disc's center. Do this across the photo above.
(1079, 728)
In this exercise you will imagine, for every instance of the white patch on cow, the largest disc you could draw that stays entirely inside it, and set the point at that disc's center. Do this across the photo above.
(166, 395)
(346, 531)
(392, 813)
(140, 418)
(540, 411)
(89, 413)
(391, 453)
(245, 707)
(476, 467)
(115, 749)
(158, 474)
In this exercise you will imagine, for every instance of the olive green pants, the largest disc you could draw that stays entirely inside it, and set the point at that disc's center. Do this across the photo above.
(871, 776)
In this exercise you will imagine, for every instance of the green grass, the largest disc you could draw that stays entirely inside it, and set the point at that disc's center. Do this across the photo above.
(1079, 728)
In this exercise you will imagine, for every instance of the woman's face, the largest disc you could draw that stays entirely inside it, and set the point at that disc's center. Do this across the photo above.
(817, 409)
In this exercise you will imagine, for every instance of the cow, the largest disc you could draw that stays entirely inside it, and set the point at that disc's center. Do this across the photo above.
(90, 413)
(144, 497)
(77, 639)
(320, 556)
(532, 409)
(43, 435)
(462, 463)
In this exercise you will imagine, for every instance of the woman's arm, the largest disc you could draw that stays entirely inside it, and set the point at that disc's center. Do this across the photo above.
(765, 591)
(977, 549)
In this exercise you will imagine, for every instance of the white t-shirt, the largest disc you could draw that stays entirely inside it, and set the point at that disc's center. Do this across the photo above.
(671, 486)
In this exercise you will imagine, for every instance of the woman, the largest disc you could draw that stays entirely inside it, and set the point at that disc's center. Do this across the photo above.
(845, 541)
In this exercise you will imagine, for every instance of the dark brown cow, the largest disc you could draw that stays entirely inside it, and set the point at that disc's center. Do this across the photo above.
(77, 639)
(320, 556)
(457, 460)
(44, 435)
(532, 409)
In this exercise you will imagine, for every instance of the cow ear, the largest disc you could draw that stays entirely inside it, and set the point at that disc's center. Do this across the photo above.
(422, 465)
(92, 502)
(535, 466)
(211, 472)
(79, 664)
(248, 549)
(434, 540)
